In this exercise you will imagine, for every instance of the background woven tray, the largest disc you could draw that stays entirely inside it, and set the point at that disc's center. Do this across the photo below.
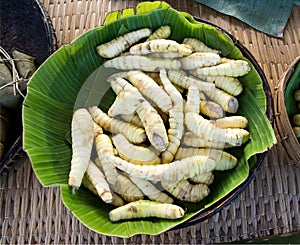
(30, 213)
(282, 121)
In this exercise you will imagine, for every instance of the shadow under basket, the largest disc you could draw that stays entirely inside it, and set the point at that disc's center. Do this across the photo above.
(282, 118)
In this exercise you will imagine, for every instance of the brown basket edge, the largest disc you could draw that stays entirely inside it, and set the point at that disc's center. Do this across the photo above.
(287, 136)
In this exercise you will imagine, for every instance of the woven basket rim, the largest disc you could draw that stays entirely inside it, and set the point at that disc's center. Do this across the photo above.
(287, 136)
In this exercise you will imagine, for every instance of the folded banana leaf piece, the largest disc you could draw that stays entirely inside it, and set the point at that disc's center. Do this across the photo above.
(7, 97)
(24, 62)
(15, 70)
(268, 16)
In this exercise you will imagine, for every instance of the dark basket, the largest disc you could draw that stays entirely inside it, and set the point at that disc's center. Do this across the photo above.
(288, 139)
(26, 27)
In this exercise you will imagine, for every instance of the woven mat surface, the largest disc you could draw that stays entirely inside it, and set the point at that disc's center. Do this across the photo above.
(30, 213)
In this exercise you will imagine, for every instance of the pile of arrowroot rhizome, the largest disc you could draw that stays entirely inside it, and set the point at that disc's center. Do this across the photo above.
(174, 116)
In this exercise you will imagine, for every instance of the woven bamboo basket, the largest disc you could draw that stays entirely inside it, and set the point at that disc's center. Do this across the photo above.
(284, 127)
(26, 27)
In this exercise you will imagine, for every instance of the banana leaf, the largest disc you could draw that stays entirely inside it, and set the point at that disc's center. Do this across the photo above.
(73, 77)
(293, 85)
(268, 16)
